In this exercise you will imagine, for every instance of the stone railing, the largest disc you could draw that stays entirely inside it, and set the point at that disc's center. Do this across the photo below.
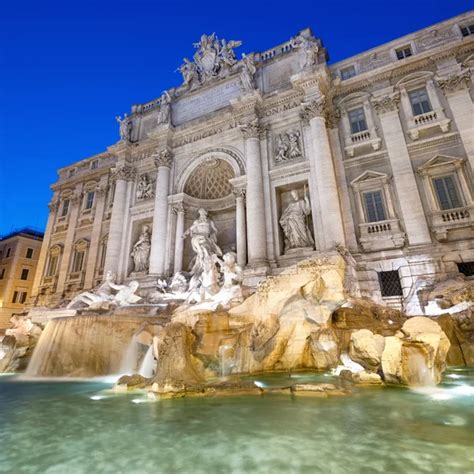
(273, 52)
(76, 277)
(381, 235)
(361, 141)
(360, 137)
(423, 122)
(449, 219)
(426, 118)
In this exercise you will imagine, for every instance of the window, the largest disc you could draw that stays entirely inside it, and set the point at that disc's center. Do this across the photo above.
(467, 30)
(65, 208)
(89, 200)
(78, 261)
(94, 164)
(29, 253)
(2, 273)
(103, 253)
(8, 252)
(466, 268)
(420, 103)
(390, 283)
(52, 265)
(24, 274)
(19, 296)
(404, 52)
(357, 120)
(348, 72)
(374, 206)
(446, 192)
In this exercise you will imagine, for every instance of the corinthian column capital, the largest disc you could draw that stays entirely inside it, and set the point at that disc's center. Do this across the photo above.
(386, 103)
(252, 129)
(313, 108)
(124, 172)
(455, 82)
(164, 158)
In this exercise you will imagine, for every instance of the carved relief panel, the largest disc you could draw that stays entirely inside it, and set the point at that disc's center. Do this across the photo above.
(287, 146)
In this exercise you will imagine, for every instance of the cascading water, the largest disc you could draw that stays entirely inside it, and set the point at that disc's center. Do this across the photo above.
(148, 364)
(83, 346)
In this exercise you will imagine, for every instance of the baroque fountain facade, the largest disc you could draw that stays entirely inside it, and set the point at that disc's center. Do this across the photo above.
(272, 213)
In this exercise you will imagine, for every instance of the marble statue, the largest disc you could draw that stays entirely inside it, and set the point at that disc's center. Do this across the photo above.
(144, 188)
(231, 270)
(141, 250)
(125, 129)
(213, 56)
(310, 48)
(248, 72)
(294, 150)
(293, 222)
(203, 234)
(126, 294)
(164, 113)
(189, 72)
(107, 294)
(103, 293)
(21, 326)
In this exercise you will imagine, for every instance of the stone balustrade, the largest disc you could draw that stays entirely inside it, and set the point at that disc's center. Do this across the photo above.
(381, 235)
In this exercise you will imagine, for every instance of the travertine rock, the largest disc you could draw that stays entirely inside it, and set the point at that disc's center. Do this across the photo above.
(417, 354)
(366, 348)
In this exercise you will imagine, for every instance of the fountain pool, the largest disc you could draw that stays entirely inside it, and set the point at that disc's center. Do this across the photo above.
(76, 427)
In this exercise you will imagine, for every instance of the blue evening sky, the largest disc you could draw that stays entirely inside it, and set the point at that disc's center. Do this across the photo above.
(68, 68)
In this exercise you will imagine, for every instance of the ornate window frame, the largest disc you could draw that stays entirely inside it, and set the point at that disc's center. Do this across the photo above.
(374, 236)
(50, 279)
(444, 220)
(89, 187)
(436, 118)
(81, 245)
(355, 142)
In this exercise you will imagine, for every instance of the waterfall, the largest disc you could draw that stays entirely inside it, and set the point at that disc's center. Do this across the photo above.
(225, 359)
(83, 346)
(148, 363)
(129, 362)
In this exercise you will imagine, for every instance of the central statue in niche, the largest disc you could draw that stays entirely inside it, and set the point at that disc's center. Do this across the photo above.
(203, 234)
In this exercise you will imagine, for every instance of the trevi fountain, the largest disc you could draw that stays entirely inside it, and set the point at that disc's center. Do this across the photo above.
(230, 363)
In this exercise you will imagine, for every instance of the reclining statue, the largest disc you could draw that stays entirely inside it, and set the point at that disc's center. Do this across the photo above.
(106, 294)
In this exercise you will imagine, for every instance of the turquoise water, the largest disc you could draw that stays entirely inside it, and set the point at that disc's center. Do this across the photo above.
(83, 427)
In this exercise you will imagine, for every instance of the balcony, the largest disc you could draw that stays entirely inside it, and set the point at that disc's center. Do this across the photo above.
(48, 285)
(419, 124)
(452, 219)
(361, 140)
(381, 235)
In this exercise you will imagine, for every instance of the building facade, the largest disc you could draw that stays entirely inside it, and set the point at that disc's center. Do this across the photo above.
(374, 153)
(19, 255)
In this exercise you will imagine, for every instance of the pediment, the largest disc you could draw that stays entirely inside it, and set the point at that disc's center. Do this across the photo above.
(440, 160)
(369, 176)
(421, 76)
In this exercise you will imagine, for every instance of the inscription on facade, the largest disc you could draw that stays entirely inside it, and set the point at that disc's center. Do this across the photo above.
(189, 108)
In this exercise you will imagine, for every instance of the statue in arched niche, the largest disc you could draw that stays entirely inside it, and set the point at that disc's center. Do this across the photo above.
(203, 234)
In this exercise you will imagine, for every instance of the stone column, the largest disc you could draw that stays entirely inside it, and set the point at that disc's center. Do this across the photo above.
(241, 234)
(256, 230)
(456, 89)
(179, 241)
(332, 120)
(403, 175)
(100, 194)
(122, 174)
(42, 260)
(75, 204)
(323, 174)
(163, 162)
